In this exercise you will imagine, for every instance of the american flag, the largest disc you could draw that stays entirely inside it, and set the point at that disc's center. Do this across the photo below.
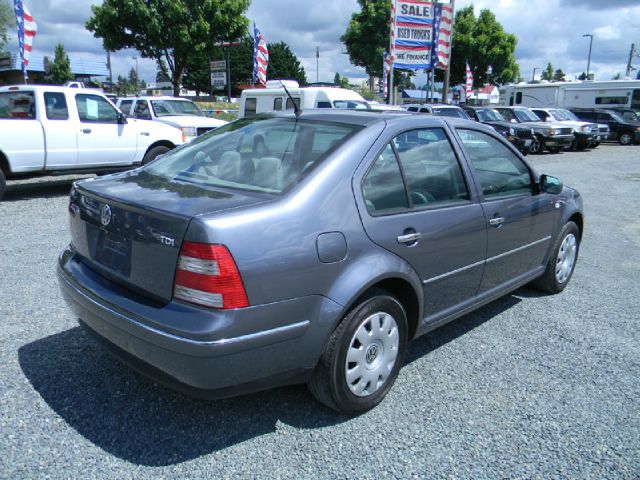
(27, 29)
(469, 85)
(386, 67)
(260, 57)
(443, 35)
(392, 51)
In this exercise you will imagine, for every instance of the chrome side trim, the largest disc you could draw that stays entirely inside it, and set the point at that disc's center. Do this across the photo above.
(519, 249)
(491, 259)
(453, 272)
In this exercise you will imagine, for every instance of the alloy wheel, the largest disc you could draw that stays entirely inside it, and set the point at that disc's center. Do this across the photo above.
(566, 258)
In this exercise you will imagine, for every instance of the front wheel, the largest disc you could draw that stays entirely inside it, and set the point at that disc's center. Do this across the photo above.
(625, 138)
(154, 153)
(537, 147)
(363, 356)
(562, 261)
(3, 184)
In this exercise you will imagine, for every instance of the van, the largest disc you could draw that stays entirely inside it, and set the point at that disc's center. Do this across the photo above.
(274, 98)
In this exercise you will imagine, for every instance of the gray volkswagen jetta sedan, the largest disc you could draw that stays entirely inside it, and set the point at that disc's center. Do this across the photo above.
(310, 248)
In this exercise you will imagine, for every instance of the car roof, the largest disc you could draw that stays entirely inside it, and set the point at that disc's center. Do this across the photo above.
(48, 88)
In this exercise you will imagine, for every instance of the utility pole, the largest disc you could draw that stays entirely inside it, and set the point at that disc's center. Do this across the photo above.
(533, 76)
(317, 62)
(631, 53)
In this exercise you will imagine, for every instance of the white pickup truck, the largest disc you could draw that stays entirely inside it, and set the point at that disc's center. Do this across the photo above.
(48, 130)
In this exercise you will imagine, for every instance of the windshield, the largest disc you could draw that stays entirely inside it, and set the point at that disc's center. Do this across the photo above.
(489, 115)
(165, 108)
(351, 104)
(260, 153)
(524, 115)
(559, 115)
(569, 115)
(450, 112)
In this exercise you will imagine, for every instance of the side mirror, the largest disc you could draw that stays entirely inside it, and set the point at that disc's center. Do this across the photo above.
(549, 184)
(122, 119)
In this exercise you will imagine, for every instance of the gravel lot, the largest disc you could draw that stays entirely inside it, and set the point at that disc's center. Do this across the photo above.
(530, 386)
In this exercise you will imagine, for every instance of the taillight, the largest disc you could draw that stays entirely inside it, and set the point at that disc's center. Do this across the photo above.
(207, 275)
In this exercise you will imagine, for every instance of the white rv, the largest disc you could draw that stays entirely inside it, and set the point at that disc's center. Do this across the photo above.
(275, 99)
(611, 94)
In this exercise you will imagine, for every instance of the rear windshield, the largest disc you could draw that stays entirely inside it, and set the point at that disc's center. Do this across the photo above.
(17, 105)
(261, 154)
(450, 112)
(165, 108)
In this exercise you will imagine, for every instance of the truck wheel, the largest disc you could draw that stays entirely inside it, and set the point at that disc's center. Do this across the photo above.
(155, 152)
(625, 138)
(537, 147)
(3, 184)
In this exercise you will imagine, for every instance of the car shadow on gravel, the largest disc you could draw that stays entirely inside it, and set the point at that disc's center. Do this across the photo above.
(41, 189)
(134, 419)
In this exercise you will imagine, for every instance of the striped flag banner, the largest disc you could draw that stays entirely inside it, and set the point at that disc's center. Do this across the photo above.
(469, 84)
(444, 27)
(260, 57)
(27, 29)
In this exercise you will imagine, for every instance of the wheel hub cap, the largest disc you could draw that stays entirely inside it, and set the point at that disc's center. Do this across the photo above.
(372, 354)
(566, 258)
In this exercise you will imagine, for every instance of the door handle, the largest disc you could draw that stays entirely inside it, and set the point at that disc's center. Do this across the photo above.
(409, 238)
(86, 130)
(496, 221)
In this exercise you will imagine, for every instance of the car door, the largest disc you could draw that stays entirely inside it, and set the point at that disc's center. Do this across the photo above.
(420, 207)
(520, 220)
(607, 119)
(61, 132)
(102, 140)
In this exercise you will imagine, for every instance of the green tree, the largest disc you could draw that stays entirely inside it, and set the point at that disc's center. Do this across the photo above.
(336, 79)
(547, 73)
(482, 42)
(133, 80)
(61, 66)
(168, 31)
(283, 63)
(6, 18)
(559, 75)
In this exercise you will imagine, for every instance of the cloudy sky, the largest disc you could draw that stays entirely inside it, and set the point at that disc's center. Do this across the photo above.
(547, 31)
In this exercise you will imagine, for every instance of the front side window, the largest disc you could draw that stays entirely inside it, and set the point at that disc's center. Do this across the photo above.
(430, 167)
(257, 154)
(125, 106)
(499, 170)
(95, 109)
(142, 111)
(277, 104)
(383, 188)
(56, 106)
(249, 107)
(17, 105)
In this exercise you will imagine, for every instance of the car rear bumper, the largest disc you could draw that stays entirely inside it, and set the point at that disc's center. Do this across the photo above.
(222, 354)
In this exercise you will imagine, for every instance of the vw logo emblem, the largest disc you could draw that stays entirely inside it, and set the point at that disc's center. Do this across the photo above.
(105, 215)
(372, 353)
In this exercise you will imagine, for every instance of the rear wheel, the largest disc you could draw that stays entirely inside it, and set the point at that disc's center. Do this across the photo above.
(363, 356)
(625, 138)
(562, 261)
(154, 153)
(3, 184)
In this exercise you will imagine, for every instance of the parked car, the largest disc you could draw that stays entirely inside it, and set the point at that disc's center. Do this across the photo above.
(437, 109)
(46, 130)
(548, 136)
(313, 257)
(632, 114)
(586, 135)
(180, 113)
(520, 137)
(626, 132)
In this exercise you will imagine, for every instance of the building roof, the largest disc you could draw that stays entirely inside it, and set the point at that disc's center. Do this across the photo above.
(79, 66)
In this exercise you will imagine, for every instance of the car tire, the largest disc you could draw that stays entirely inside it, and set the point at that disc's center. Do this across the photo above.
(344, 376)
(537, 146)
(562, 261)
(3, 184)
(555, 149)
(154, 153)
(625, 138)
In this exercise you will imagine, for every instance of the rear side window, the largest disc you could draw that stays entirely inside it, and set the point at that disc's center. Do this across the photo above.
(17, 105)
(250, 107)
(277, 104)
(56, 106)
(507, 114)
(95, 109)
(322, 104)
(612, 100)
(499, 170)
(430, 167)
(142, 110)
(290, 103)
(518, 98)
(383, 187)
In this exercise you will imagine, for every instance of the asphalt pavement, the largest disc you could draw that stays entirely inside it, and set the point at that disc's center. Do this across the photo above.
(530, 386)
